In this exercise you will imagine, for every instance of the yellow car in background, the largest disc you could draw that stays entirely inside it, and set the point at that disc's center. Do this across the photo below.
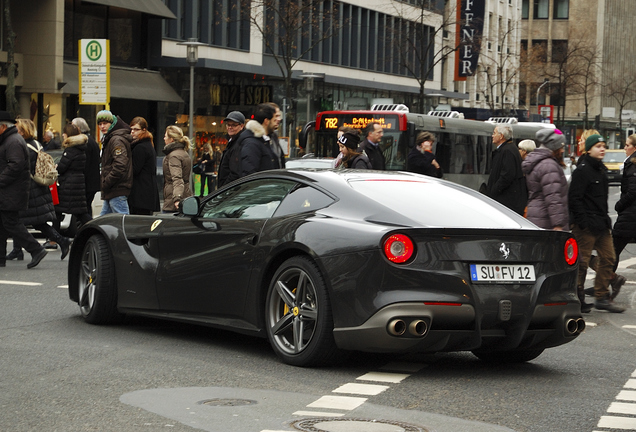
(613, 160)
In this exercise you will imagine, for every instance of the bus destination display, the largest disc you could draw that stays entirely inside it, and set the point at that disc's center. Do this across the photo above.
(334, 122)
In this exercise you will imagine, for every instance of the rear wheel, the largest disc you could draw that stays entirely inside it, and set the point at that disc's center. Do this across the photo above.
(298, 315)
(511, 356)
(97, 288)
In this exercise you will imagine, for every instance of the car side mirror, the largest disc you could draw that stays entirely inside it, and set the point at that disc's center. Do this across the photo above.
(190, 206)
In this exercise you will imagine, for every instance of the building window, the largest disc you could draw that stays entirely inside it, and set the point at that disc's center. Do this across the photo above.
(525, 9)
(561, 9)
(541, 9)
(559, 51)
(540, 49)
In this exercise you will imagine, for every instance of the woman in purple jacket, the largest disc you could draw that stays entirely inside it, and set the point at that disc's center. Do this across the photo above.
(547, 186)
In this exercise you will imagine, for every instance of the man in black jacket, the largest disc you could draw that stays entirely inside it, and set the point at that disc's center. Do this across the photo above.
(258, 151)
(591, 224)
(506, 183)
(230, 165)
(371, 145)
(15, 180)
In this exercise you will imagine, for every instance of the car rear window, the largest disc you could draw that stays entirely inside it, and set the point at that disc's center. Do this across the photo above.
(436, 204)
(614, 156)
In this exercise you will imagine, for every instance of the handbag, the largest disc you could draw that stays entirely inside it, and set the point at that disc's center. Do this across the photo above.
(53, 189)
(197, 169)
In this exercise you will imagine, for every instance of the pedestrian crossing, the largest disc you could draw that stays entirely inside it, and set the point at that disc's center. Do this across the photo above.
(621, 414)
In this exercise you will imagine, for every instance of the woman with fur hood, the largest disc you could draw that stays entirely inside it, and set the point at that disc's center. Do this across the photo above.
(177, 167)
(71, 189)
(547, 185)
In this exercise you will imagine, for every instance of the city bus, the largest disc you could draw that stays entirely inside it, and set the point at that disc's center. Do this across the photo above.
(462, 147)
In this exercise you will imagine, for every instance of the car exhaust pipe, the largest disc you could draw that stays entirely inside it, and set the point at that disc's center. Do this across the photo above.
(396, 327)
(418, 328)
(571, 326)
(580, 325)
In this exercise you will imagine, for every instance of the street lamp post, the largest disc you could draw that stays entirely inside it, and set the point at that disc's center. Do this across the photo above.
(192, 57)
(546, 81)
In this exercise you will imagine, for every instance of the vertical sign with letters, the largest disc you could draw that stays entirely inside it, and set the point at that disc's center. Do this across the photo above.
(470, 26)
(94, 71)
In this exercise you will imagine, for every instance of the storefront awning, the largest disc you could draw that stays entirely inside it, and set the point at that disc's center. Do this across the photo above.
(127, 84)
(150, 7)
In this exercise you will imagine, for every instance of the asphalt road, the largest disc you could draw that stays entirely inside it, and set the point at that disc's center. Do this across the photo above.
(58, 373)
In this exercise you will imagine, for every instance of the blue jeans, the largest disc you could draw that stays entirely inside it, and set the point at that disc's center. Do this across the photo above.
(115, 205)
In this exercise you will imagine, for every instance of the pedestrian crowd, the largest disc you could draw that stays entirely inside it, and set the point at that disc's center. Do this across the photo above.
(528, 179)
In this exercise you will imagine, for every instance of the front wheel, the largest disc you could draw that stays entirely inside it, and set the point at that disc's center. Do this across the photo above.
(97, 287)
(298, 315)
(511, 356)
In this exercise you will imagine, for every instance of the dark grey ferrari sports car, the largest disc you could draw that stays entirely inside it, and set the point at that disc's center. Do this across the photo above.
(322, 262)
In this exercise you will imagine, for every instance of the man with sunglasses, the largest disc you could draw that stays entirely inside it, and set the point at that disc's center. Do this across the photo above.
(230, 165)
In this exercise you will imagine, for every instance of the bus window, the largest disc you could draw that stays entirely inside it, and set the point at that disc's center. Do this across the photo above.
(443, 150)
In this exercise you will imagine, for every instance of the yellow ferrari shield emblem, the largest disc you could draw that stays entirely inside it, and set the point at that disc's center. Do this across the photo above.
(155, 224)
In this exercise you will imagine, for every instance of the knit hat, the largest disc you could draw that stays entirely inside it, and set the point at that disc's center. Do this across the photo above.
(552, 139)
(350, 140)
(105, 116)
(592, 140)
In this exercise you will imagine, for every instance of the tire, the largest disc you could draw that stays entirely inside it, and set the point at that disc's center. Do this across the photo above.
(298, 315)
(512, 356)
(97, 286)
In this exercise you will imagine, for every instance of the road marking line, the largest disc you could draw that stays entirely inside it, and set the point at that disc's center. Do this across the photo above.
(622, 408)
(627, 395)
(62, 286)
(316, 414)
(626, 263)
(402, 367)
(338, 402)
(361, 389)
(629, 326)
(383, 377)
(617, 422)
(634, 373)
(6, 282)
(631, 384)
(590, 324)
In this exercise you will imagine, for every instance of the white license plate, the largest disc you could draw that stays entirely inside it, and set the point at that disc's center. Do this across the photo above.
(502, 273)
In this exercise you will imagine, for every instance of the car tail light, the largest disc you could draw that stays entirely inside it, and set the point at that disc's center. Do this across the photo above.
(398, 248)
(571, 251)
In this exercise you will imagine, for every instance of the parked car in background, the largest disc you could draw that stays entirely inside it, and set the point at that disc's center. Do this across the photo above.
(310, 161)
(322, 262)
(613, 161)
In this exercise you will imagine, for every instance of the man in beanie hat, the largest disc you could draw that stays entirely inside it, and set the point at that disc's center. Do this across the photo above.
(591, 224)
(230, 165)
(421, 159)
(506, 183)
(117, 171)
(15, 182)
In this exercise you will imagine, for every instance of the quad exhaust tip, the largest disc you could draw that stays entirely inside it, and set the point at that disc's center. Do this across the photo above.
(399, 327)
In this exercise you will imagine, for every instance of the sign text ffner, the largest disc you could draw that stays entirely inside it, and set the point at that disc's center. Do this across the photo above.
(470, 25)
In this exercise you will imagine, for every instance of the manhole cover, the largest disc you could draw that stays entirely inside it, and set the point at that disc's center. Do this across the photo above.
(227, 402)
(354, 424)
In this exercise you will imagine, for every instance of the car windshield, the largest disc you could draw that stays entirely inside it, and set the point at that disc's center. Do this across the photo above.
(310, 163)
(435, 204)
(611, 156)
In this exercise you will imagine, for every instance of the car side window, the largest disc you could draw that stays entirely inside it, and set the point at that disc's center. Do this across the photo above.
(302, 199)
(257, 199)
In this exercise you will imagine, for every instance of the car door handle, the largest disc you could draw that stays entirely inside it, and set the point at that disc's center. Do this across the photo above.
(252, 239)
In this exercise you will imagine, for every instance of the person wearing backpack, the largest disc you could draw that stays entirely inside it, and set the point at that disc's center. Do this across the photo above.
(40, 208)
(72, 189)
